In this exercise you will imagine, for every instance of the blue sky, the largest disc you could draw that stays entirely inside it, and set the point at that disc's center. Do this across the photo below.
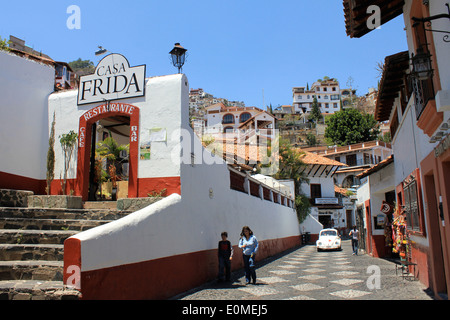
(237, 49)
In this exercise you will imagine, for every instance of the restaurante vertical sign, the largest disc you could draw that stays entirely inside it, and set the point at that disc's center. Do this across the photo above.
(113, 79)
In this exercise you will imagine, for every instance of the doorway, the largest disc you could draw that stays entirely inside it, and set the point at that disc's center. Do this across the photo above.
(325, 220)
(360, 227)
(120, 122)
(109, 162)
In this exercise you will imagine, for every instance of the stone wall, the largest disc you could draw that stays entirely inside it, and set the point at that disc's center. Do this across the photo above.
(14, 198)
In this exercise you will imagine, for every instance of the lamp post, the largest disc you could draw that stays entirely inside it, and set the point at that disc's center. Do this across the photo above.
(421, 62)
(178, 55)
(101, 51)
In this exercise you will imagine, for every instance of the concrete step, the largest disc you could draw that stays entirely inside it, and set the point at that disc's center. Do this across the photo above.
(31, 270)
(49, 224)
(26, 252)
(15, 236)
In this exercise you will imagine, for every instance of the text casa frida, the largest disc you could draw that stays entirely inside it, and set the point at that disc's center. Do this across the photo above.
(113, 79)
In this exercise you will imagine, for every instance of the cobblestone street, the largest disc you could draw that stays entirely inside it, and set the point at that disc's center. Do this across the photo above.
(305, 274)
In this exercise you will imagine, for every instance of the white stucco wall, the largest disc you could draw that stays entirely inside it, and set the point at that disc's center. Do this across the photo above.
(24, 89)
(326, 183)
(380, 183)
(410, 144)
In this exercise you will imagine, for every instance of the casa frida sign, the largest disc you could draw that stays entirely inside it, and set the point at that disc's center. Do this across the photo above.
(113, 79)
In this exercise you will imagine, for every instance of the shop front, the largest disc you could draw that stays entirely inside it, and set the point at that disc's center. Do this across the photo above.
(123, 123)
(436, 179)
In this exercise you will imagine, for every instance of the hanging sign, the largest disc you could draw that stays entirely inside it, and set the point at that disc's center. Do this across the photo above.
(386, 208)
(113, 79)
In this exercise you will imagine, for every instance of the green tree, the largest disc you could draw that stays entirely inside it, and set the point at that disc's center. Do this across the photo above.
(311, 140)
(292, 167)
(110, 150)
(68, 142)
(350, 126)
(4, 44)
(82, 67)
(315, 114)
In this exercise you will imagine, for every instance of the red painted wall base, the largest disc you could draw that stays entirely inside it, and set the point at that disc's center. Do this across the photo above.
(161, 278)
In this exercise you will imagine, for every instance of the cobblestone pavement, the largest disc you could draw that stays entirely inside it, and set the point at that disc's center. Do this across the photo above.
(305, 274)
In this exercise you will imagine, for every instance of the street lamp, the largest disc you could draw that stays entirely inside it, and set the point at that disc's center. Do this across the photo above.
(178, 55)
(421, 62)
(101, 51)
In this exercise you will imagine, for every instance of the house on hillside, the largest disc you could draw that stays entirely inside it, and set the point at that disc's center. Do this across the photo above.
(358, 158)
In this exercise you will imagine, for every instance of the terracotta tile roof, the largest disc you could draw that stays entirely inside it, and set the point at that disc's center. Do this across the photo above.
(339, 190)
(377, 168)
(312, 158)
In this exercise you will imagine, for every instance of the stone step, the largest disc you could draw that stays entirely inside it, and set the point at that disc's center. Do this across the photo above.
(36, 290)
(49, 224)
(64, 214)
(31, 270)
(89, 205)
(15, 236)
(27, 252)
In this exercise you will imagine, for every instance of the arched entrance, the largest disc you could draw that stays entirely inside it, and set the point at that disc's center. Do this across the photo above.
(86, 144)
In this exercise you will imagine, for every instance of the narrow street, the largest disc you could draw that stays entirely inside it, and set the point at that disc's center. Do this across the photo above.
(305, 274)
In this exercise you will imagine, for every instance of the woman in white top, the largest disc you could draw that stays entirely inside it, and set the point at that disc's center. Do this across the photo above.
(249, 244)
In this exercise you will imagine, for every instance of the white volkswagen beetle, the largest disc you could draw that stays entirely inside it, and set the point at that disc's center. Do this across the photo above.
(329, 239)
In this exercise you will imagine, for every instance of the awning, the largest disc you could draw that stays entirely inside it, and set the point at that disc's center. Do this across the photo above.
(391, 83)
(356, 15)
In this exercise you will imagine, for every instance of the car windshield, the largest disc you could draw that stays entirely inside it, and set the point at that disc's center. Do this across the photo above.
(329, 233)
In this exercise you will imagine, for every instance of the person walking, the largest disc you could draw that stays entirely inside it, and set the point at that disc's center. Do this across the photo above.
(354, 233)
(249, 244)
(225, 254)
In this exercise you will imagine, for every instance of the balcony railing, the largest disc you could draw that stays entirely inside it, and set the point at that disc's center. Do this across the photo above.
(423, 92)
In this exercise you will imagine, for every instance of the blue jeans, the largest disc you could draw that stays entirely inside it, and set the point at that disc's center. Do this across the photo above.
(224, 265)
(249, 265)
(355, 246)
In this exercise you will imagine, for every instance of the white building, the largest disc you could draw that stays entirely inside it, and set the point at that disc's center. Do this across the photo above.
(358, 158)
(328, 94)
(327, 206)
(248, 124)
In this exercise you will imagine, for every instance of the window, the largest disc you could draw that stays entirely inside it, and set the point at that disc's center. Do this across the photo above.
(350, 160)
(316, 191)
(244, 117)
(335, 105)
(411, 206)
(324, 89)
(229, 118)
(334, 97)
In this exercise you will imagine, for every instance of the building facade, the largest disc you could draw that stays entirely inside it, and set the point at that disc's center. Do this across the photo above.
(327, 92)
(414, 97)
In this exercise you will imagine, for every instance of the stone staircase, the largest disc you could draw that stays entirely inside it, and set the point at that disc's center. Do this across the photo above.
(32, 248)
